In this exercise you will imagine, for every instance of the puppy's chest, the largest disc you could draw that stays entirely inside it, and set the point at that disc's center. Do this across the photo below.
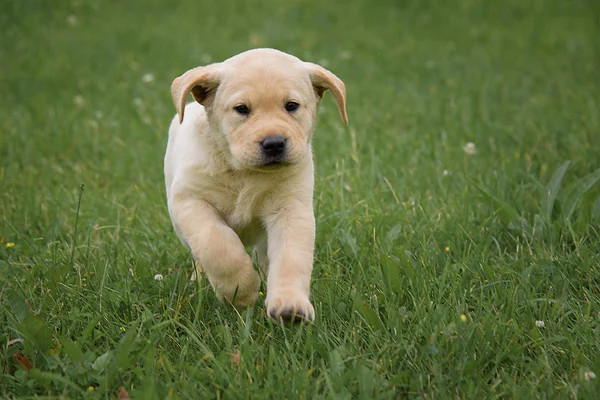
(240, 201)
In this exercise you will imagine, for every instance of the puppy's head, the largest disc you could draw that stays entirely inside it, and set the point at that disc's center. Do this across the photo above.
(263, 102)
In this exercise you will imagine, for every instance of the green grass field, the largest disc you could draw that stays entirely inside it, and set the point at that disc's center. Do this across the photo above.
(442, 269)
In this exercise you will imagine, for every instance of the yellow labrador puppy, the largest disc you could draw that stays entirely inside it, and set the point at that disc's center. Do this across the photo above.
(239, 172)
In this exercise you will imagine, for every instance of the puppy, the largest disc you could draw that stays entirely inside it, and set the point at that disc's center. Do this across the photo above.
(239, 173)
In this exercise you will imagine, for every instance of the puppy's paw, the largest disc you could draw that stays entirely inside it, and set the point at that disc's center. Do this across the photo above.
(289, 307)
(240, 290)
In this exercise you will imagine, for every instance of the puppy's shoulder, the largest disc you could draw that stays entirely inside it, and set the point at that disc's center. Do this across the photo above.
(186, 136)
(195, 119)
(185, 147)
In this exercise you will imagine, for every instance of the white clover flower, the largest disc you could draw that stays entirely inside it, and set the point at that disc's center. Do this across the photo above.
(345, 54)
(446, 172)
(206, 58)
(72, 20)
(469, 148)
(98, 114)
(589, 375)
(79, 100)
(324, 62)
(158, 277)
(540, 324)
(147, 78)
(255, 40)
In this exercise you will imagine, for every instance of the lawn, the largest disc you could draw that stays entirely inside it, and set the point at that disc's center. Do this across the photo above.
(458, 215)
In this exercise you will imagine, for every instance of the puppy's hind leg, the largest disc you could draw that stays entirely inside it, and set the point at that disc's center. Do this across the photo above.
(218, 250)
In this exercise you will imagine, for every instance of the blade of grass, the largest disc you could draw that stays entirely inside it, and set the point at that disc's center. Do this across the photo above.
(552, 189)
(581, 189)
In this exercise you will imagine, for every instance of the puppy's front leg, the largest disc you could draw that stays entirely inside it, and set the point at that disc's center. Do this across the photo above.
(218, 250)
(291, 241)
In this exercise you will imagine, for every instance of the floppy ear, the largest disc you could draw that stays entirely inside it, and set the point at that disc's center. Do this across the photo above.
(323, 80)
(200, 81)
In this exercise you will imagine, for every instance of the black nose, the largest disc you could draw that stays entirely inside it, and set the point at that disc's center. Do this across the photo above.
(273, 145)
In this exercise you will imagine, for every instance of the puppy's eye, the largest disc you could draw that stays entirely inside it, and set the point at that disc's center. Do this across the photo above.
(291, 106)
(242, 109)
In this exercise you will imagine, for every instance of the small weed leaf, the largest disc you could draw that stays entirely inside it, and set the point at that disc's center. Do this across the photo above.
(51, 362)
(72, 349)
(39, 377)
(88, 329)
(149, 357)
(101, 362)
(17, 303)
(505, 211)
(351, 242)
(403, 262)
(365, 381)
(123, 360)
(392, 235)
(551, 191)
(225, 335)
(337, 364)
(391, 274)
(37, 331)
(579, 191)
(369, 315)
(489, 271)
(149, 389)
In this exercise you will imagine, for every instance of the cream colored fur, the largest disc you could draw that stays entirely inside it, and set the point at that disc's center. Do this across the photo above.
(221, 195)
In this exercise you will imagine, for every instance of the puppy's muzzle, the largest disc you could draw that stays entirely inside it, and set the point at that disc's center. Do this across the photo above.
(274, 149)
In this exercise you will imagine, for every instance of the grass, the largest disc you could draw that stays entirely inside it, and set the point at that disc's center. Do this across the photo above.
(432, 265)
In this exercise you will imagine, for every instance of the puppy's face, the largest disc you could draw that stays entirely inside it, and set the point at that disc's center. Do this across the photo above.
(264, 104)
(267, 112)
